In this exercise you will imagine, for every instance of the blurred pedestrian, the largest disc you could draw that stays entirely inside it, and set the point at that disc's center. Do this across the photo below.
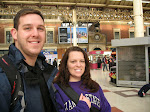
(105, 63)
(55, 63)
(99, 63)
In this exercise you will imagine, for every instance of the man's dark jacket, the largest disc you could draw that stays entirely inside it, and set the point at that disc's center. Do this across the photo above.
(33, 97)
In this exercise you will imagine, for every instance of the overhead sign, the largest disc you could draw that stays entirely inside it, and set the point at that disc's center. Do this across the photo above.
(64, 35)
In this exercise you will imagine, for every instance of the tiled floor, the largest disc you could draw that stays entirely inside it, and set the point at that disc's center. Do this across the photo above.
(121, 99)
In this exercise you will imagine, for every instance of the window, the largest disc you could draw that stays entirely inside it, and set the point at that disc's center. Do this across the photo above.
(49, 35)
(131, 33)
(148, 31)
(8, 36)
(116, 33)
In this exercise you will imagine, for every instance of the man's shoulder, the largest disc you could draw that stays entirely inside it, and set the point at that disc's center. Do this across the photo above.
(49, 66)
(4, 83)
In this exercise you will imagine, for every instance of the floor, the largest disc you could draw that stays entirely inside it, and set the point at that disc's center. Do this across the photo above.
(121, 99)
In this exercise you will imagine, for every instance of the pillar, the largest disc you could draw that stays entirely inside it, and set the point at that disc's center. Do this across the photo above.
(138, 18)
(74, 28)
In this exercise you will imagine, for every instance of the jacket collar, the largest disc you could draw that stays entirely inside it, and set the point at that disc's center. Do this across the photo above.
(17, 57)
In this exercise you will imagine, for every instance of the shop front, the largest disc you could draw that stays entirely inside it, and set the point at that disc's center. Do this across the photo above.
(93, 56)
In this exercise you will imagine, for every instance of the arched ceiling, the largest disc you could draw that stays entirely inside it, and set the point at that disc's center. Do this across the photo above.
(80, 3)
(87, 10)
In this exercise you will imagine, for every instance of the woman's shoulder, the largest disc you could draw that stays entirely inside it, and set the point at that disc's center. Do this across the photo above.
(100, 88)
(56, 85)
(58, 88)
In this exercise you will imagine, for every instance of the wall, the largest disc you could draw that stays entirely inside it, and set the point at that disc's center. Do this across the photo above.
(60, 52)
(4, 24)
(107, 29)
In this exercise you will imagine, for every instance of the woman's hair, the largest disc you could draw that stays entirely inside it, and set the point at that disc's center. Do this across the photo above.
(64, 74)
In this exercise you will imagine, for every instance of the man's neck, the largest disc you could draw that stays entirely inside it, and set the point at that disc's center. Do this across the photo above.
(30, 60)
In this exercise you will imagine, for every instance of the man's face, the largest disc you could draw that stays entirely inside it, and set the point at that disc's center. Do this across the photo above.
(30, 36)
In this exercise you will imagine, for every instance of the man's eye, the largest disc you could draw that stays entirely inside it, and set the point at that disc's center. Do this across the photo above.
(27, 28)
(41, 29)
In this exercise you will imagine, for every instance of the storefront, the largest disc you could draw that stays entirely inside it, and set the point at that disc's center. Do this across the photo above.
(93, 56)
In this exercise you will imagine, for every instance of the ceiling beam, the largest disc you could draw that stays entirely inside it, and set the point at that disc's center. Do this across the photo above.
(72, 4)
(143, 1)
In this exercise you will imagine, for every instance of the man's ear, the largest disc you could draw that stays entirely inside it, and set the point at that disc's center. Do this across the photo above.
(14, 33)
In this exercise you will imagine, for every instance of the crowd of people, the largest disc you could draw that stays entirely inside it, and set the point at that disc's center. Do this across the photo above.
(102, 63)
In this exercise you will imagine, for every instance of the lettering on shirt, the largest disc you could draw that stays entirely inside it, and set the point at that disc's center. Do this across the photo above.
(93, 99)
(69, 105)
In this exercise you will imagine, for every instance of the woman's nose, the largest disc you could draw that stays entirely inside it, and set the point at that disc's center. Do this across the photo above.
(78, 64)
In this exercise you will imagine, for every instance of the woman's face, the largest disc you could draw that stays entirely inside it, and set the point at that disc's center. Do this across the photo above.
(76, 65)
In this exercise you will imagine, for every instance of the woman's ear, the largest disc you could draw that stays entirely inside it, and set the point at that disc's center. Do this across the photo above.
(14, 33)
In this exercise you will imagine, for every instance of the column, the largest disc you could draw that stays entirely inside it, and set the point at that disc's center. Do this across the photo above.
(74, 28)
(138, 18)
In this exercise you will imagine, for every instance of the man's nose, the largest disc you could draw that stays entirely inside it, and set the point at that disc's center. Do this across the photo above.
(35, 32)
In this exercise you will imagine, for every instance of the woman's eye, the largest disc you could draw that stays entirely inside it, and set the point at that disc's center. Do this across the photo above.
(72, 61)
(82, 61)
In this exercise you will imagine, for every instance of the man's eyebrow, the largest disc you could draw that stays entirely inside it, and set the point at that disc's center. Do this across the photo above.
(27, 25)
(41, 26)
(31, 25)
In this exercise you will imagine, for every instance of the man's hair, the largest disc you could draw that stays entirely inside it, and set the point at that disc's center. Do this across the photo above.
(23, 12)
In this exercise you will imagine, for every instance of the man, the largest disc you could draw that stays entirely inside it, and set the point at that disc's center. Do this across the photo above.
(55, 63)
(105, 63)
(29, 37)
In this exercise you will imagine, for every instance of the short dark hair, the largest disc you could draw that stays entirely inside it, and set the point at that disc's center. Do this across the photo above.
(64, 74)
(23, 12)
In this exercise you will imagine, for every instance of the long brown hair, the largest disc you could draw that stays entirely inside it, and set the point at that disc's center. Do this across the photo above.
(64, 74)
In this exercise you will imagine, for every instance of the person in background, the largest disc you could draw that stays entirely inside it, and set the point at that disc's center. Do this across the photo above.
(74, 72)
(59, 63)
(105, 63)
(99, 63)
(55, 63)
(29, 36)
(110, 62)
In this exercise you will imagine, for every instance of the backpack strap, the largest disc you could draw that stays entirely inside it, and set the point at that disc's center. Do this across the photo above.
(70, 93)
(74, 96)
(47, 91)
(45, 95)
(9, 70)
(15, 80)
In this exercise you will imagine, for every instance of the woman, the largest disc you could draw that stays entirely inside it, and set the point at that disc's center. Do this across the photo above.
(74, 72)
(99, 62)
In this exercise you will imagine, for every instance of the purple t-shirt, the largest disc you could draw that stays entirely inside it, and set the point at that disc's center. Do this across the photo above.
(97, 100)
